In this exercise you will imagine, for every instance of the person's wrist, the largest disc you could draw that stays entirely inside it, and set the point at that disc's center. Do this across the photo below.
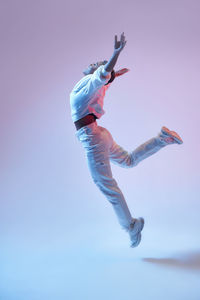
(117, 51)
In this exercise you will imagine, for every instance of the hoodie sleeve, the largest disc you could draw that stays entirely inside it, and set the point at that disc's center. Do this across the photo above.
(98, 79)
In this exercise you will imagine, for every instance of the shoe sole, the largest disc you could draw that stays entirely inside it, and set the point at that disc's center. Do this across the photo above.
(172, 134)
(138, 233)
(133, 245)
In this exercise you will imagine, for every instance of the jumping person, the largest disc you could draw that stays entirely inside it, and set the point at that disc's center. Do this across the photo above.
(86, 100)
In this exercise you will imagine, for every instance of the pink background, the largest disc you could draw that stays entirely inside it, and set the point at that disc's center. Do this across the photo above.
(59, 236)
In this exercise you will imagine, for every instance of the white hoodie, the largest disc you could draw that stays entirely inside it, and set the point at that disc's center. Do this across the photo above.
(88, 94)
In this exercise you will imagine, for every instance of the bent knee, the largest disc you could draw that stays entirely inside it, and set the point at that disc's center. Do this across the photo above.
(107, 185)
(129, 162)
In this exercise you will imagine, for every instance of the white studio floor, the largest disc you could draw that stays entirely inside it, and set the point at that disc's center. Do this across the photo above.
(97, 263)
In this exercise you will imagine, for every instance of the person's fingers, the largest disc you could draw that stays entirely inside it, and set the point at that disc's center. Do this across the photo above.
(124, 43)
(122, 37)
(115, 39)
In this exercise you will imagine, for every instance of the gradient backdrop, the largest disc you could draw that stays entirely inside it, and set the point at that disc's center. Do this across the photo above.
(59, 238)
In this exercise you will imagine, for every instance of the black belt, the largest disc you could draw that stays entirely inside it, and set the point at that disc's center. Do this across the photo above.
(85, 121)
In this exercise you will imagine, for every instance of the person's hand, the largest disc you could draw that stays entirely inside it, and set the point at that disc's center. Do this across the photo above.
(119, 45)
(121, 72)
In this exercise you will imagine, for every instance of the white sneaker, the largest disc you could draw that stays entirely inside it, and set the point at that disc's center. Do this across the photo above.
(170, 137)
(135, 231)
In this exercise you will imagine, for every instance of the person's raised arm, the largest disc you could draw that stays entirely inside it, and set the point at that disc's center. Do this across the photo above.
(118, 47)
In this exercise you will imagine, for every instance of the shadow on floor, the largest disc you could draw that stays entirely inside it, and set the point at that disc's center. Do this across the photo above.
(187, 261)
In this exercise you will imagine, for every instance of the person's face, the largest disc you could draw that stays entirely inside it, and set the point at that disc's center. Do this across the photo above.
(93, 67)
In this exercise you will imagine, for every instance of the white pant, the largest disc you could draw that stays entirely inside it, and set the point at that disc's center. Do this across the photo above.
(100, 149)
